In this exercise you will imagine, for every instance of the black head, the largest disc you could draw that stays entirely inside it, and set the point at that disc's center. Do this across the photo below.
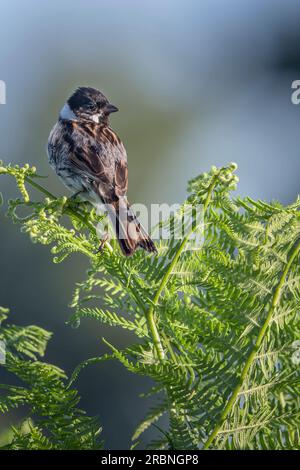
(90, 104)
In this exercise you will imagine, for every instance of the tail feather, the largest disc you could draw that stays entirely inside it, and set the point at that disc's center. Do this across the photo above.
(130, 233)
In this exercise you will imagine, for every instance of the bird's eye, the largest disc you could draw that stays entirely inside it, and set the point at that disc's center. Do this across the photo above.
(92, 107)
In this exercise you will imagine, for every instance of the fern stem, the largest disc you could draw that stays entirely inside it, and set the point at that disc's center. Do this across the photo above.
(155, 335)
(275, 300)
(168, 273)
(40, 188)
(169, 347)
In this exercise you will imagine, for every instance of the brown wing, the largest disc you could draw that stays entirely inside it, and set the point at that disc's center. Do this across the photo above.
(101, 158)
(121, 178)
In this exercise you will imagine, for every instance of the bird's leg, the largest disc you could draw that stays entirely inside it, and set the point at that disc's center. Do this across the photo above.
(78, 204)
(74, 196)
(103, 241)
(73, 199)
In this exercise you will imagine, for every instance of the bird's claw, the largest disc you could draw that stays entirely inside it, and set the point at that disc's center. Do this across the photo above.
(102, 243)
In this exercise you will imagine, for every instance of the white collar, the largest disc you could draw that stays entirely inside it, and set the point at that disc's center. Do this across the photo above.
(67, 113)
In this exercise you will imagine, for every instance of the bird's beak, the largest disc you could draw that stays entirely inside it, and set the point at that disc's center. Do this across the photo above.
(110, 108)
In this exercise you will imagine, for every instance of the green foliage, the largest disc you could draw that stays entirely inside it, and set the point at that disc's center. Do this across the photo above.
(217, 325)
(57, 421)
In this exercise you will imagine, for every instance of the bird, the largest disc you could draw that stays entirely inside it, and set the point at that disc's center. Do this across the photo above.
(91, 160)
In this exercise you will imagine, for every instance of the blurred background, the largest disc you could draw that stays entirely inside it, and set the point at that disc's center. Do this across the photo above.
(197, 83)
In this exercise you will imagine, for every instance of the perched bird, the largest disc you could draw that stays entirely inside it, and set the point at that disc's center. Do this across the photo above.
(91, 161)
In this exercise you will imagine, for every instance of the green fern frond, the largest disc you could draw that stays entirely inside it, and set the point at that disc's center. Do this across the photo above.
(216, 323)
(58, 422)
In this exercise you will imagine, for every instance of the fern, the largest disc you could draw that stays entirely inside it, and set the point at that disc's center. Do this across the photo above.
(217, 327)
(58, 423)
